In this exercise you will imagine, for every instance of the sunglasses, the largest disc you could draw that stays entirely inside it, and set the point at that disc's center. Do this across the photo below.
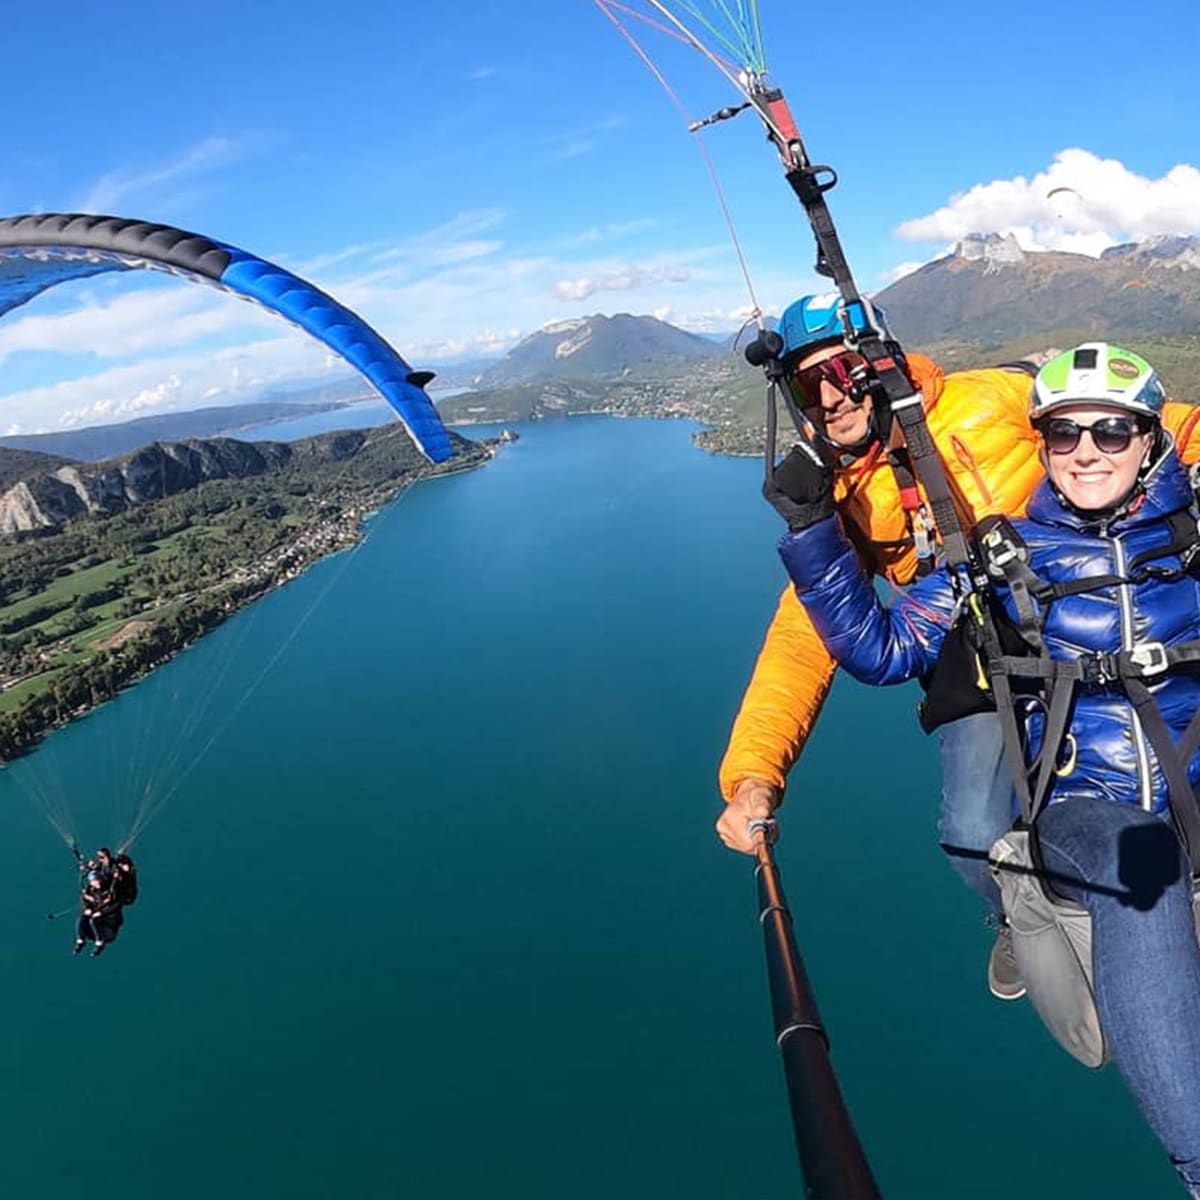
(843, 370)
(1110, 435)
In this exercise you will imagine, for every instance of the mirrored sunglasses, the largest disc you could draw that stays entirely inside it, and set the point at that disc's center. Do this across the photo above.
(843, 370)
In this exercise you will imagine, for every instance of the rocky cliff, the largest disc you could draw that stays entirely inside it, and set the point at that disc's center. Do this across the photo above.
(48, 499)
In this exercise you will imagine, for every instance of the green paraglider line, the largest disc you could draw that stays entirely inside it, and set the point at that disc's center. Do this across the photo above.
(152, 804)
(746, 42)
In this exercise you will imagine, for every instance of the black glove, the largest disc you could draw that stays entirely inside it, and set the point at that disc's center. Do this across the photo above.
(800, 489)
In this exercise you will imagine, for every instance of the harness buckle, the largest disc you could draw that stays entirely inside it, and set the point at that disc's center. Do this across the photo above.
(1099, 668)
(1000, 550)
(1150, 658)
(1002, 556)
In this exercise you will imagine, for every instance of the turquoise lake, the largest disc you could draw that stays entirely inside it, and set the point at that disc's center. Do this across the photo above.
(433, 907)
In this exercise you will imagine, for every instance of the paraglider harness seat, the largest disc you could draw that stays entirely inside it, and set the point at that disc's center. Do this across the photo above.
(986, 655)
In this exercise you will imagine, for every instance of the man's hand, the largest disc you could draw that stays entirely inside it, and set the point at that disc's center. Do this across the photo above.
(754, 800)
(801, 487)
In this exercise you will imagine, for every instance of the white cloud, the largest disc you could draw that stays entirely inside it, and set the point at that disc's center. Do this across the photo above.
(623, 279)
(225, 376)
(576, 142)
(576, 147)
(470, 223)
(714, 320)
(307, 267)
(1081, 203)
(109, 193)
(145, 322)
(465, 250)
(611, 231)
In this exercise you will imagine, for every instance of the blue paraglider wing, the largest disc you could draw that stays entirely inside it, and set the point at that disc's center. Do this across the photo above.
(40, 252)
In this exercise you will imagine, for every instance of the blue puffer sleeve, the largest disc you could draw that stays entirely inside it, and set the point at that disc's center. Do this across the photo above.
(875, 644)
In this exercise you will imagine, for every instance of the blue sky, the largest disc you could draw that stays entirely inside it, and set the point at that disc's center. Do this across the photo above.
(463, 173)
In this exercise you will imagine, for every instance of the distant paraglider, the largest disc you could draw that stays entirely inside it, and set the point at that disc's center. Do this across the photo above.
(1067, 203)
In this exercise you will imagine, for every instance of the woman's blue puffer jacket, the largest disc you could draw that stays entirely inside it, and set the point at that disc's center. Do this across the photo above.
(1113, 758)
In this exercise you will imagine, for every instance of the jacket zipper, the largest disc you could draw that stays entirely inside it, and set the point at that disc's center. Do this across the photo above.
(1145, 776)
(967, 459)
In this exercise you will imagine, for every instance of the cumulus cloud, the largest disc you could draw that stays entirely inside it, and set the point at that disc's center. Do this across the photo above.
(622, 280)
(1081, 203)
(175, 383)
(146, 322)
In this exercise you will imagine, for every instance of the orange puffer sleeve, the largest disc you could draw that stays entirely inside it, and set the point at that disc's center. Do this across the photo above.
(782, 702)
(1183, 420)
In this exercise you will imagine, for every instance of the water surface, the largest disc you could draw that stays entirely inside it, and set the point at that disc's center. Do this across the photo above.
(436, 910)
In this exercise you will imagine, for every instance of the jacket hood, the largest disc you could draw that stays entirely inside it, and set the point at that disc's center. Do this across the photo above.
(1166, 489)
(928, 377)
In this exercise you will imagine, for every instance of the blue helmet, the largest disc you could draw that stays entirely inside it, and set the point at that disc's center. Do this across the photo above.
(814, 321)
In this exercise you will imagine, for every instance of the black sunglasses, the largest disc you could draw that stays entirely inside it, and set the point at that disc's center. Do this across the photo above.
(1110, 435)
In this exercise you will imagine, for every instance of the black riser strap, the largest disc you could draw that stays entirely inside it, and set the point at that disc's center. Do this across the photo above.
(1179, 788)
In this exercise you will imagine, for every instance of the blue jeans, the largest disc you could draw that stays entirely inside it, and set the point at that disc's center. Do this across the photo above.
(977, 799)
(1127, 868)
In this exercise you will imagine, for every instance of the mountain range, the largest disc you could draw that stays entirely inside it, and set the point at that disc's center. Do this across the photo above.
(989, 291)
(589, 347)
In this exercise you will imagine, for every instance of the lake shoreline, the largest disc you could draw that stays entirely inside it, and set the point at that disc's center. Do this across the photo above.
(307, 549)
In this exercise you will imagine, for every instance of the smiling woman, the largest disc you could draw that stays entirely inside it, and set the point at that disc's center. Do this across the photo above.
(39, 252)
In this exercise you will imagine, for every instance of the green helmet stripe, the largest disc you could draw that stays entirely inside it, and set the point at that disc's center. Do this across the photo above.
(1054, 373)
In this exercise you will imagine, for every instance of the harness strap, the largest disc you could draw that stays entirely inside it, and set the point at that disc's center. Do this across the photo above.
(1185, 541)
(1058, 722)
(909, 411)
(1006, 709)
(1180, 794)
(920, 534)
(1144, 661)
(1005, 556)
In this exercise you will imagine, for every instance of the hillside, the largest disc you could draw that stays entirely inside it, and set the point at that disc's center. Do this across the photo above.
(180, 537)
(16, 465)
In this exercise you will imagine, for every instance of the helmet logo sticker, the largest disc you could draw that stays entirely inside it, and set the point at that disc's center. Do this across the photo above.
(1122, 368)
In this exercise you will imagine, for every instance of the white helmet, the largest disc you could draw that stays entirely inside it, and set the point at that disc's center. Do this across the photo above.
(1100, 373)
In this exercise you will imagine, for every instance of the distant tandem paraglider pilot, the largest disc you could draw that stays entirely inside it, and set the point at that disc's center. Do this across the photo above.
(108, 885)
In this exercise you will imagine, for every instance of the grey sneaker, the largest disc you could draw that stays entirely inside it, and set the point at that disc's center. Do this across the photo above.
(1004, 977)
